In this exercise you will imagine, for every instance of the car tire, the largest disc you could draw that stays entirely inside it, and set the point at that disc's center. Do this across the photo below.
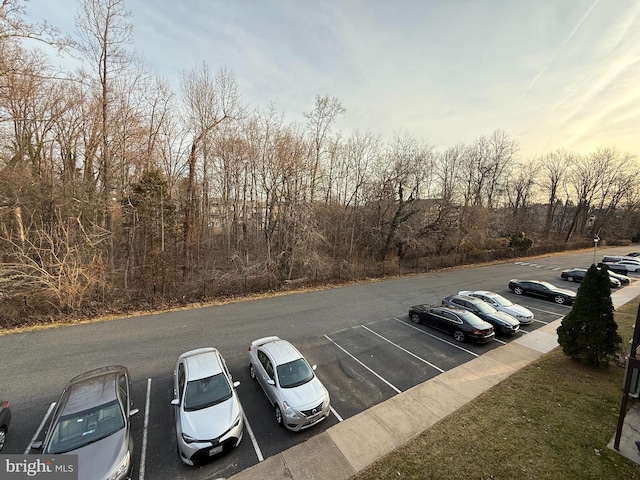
(415, 318)
(252, 372)
(458, 336)
(278, 414)
(571, 279)
(3, 437)
(518, 290)
(560, 300)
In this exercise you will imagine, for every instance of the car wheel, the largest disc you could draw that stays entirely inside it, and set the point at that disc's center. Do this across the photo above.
(252, 371)
(278, 416)
(458, 336)
(415, 318)
(560, 299)
(518, 291)
(571, 279)
(3, 437)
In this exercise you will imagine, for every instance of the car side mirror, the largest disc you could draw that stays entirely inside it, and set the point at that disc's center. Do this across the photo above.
(236, 384)
(271, 382)
(175, 402)
(133, 411)
(313, 367)
(36, 445)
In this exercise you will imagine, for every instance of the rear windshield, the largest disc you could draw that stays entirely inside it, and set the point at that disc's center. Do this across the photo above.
(474, 321)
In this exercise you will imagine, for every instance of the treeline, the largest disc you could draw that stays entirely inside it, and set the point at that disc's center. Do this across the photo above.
(116, 190)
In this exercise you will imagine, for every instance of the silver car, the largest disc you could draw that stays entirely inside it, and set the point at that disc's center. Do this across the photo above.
(207, 413)
(497, 301)
(5, 421)
(92, 421)
(297, 395)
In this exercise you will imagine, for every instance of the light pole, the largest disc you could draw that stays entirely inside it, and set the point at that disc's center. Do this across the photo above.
(595, 247)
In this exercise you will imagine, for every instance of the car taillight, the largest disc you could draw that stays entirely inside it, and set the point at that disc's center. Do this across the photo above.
(5, 404)
(249, 349)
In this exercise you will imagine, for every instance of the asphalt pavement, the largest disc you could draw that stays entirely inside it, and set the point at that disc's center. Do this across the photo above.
(349, 446)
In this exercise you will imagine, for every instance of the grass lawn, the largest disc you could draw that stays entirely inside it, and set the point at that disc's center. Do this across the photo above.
(551, 420)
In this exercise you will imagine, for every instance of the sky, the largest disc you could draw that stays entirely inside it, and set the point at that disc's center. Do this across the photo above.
(552, 74)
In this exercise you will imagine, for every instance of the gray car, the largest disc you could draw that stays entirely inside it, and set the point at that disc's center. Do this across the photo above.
(502, 322)
(5, 420)
(92, 420)
(290, 383)
(207, 413)
(497, 301)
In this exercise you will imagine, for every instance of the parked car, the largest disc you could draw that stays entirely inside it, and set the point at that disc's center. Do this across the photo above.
(207, 413)
(623, 279)
(542, 289)
(460, 323)
(92, 420)
(497, 301)
(578, 274)
(615, 268)
(502, 322)
(632, 265)
(633, 254)
(297, 395)
(5, 420)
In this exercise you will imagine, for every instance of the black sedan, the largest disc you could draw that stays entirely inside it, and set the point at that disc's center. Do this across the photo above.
(578, 274)
(5, 420)
(542, 289)
(463, 325)
(503, 323)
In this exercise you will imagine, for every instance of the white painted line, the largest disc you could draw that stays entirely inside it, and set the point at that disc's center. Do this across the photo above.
(145, 430)
(543, 311)
(404, 349)
(374, 373)
(436, 337)
(256, 448)
(336, 414)
(37, 434)
(499, 341)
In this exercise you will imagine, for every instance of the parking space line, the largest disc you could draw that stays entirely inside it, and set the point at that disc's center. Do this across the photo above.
(35, 435)
(499, 341)
(404, 349)
(374, 373)
(256, 448)
(436, 337)
(145, 430)
(336, 414)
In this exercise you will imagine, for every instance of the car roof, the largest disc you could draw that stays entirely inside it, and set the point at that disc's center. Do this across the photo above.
(92, 388)
(201, 363)
(281, 351)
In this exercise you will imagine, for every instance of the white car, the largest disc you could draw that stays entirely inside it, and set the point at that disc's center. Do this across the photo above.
(298, 397)
(497, 301)
(207, 413)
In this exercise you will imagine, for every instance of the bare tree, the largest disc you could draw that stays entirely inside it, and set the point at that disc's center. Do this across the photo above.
(209, 102)
(104, 31)
(319, 122)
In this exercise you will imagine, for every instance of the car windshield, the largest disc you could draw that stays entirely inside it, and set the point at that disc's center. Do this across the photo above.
(500, 300)
(474, 321)
(206, 392)
(294, 374)
(485, 307)
(79, 429)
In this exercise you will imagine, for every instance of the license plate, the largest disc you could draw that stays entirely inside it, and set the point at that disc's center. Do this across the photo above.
(215, 450)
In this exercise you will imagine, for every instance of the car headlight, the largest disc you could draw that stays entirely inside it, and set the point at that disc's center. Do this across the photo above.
(289, 411)
(188, 439)
(121, 469)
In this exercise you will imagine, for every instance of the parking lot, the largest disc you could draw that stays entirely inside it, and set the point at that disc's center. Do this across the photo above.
(362, 362)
